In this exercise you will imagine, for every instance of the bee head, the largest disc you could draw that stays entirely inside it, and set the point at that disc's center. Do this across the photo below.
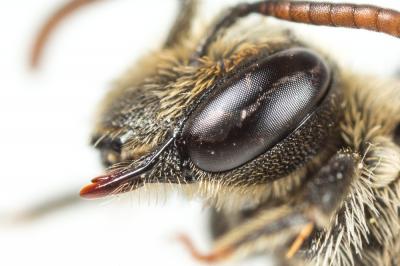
(250, 116)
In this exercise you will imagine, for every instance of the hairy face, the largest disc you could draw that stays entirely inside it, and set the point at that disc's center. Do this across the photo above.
(233, 117)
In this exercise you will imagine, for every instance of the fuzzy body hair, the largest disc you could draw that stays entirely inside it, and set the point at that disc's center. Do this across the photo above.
(363, 230)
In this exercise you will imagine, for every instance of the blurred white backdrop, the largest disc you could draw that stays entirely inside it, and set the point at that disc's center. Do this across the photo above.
(46, 118)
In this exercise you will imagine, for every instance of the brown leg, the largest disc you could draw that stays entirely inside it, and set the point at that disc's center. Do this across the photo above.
(284, 229)
(301, 238)
(42, 209)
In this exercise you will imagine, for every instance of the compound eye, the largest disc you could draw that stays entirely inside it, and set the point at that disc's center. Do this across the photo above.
(255, 109)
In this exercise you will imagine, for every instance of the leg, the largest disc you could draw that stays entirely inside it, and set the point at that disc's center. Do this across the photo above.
(284, 229)
(42, 209)
(273, 226)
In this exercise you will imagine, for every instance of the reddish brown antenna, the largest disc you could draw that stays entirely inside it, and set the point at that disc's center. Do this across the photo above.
(327, 14)
(51, 23)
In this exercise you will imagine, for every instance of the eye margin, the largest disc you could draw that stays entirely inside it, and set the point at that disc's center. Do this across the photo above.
(327, 109)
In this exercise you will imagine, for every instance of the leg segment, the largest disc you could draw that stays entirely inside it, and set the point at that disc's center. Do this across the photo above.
(284, 229)
(36, 212)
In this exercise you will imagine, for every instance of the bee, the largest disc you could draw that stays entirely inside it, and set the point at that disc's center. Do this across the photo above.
(297, 157)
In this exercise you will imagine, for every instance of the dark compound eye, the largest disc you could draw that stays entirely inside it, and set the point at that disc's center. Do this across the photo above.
(255, 109)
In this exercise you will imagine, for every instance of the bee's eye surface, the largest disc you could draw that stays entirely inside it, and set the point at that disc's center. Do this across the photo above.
(255, 109)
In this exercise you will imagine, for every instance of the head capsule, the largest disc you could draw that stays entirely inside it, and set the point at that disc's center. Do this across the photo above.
(256, 108)
(267, 117)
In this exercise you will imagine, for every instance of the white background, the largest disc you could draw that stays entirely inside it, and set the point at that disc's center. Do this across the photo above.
(46, 119)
